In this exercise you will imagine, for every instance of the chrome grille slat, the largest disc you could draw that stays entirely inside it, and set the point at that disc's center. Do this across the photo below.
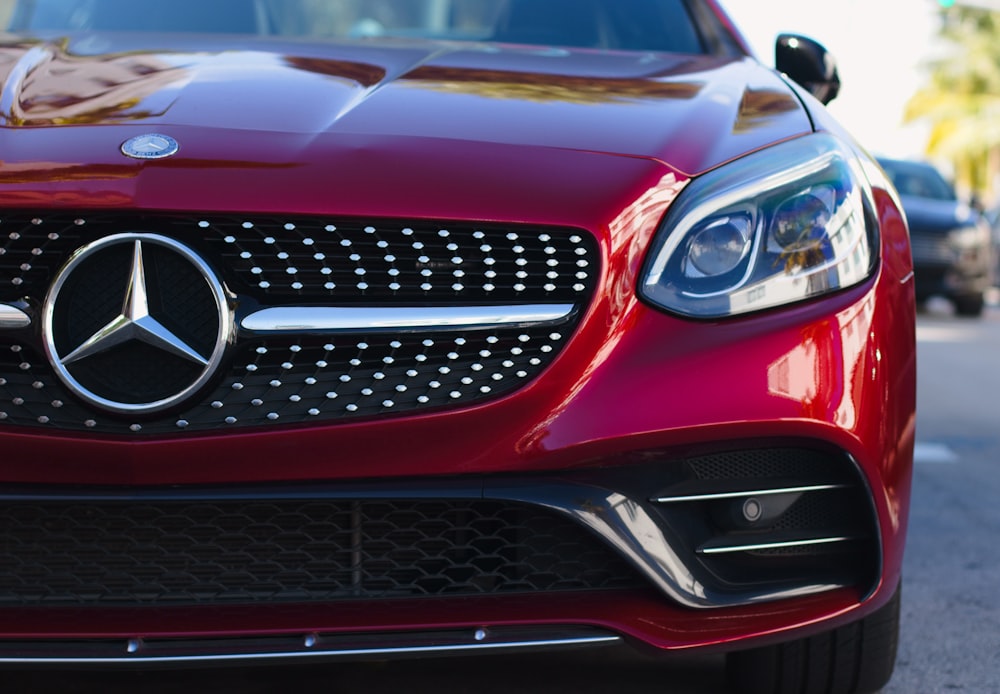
(793, 543)
(681, 498)
(313, 319)
(12, 317)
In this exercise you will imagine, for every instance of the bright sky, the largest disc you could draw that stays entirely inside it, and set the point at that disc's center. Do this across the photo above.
(879, 46)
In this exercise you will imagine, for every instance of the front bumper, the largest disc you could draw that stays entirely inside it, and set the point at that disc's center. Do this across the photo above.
(722, 530)
(539, 559)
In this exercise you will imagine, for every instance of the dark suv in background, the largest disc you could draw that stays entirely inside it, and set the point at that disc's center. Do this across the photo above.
(953, 254)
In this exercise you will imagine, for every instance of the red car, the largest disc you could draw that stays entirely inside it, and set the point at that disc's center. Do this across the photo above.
(384, 327)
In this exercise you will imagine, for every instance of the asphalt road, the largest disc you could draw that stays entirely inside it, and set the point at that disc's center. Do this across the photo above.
(950, 638)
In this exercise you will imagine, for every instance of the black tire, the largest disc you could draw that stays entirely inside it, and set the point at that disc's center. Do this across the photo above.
(854, 659)
(971, 306)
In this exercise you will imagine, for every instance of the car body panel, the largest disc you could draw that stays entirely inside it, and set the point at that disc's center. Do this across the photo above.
(484, 95)
(494, 133)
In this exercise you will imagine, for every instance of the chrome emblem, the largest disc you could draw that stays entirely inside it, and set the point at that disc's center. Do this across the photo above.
(136, 323)
(150, 146)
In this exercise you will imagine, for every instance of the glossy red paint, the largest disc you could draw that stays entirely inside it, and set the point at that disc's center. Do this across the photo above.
(460, 134)
(313, 106)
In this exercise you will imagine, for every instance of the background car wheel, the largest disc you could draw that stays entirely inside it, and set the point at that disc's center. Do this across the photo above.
(969, 305)
(855, 659)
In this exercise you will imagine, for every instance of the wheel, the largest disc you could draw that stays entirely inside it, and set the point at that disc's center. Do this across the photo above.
(854, 659)
(969, 305)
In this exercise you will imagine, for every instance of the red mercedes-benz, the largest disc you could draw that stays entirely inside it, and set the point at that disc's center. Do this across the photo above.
(340, 328)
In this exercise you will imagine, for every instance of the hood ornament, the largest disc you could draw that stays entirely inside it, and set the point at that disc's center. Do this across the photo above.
(150, 146)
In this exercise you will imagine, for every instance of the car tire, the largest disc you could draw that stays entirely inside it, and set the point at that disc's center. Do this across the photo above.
(969, 305)
(854, 659)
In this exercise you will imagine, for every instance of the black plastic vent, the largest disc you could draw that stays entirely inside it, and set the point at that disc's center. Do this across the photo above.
(759, 519)
(80, 553)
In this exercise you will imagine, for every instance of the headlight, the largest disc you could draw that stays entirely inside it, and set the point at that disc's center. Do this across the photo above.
(781, 225)
(970, 237)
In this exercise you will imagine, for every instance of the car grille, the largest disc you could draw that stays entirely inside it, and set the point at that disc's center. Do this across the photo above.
(80, 553)
(269, 379)
(932, 249)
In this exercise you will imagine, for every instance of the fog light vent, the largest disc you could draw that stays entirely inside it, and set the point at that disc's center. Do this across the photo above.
(774, 517)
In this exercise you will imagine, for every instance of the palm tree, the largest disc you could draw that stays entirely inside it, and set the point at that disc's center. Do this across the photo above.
(961, 99)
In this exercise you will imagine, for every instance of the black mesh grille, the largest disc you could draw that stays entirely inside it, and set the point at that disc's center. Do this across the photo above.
(281, 380)
(336, 261)
(350, 262)
(191, 552)
(286, 379)
(758, 464)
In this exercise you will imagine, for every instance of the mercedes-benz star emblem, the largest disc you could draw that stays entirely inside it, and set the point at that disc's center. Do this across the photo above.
(150, 146)
(136, 323)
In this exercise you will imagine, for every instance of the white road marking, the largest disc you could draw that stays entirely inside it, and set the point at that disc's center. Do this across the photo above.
(944, 333)
(928, 452)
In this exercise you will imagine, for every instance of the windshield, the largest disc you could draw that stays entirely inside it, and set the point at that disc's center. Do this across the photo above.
(660, 25)
(918, 180)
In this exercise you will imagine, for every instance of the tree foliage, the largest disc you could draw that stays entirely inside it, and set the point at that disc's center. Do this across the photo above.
(961, 98)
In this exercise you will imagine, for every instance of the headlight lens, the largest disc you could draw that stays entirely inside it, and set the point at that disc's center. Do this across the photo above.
(778, 226)
(970, 237)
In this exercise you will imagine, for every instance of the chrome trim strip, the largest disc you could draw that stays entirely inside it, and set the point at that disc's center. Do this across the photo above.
(739, 495)
(134, 646)
(337, 318)
(873, 506)
(729, 549)
(11, 318)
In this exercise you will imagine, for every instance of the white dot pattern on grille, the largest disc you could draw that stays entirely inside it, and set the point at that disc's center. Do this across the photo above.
(350, 261)
(286, 382)
(290, 379)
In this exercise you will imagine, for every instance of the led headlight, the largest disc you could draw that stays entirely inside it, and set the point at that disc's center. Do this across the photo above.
(781, 225)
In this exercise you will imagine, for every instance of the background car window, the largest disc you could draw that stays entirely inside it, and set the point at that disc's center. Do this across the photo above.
(919, 181)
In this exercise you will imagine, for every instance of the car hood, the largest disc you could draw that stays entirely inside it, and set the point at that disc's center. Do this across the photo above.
(928, 215)
(690, 112)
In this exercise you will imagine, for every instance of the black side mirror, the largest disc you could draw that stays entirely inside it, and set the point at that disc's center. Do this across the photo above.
(809, 64)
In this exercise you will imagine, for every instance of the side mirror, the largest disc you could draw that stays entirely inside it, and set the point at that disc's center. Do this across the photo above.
(809, 64)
